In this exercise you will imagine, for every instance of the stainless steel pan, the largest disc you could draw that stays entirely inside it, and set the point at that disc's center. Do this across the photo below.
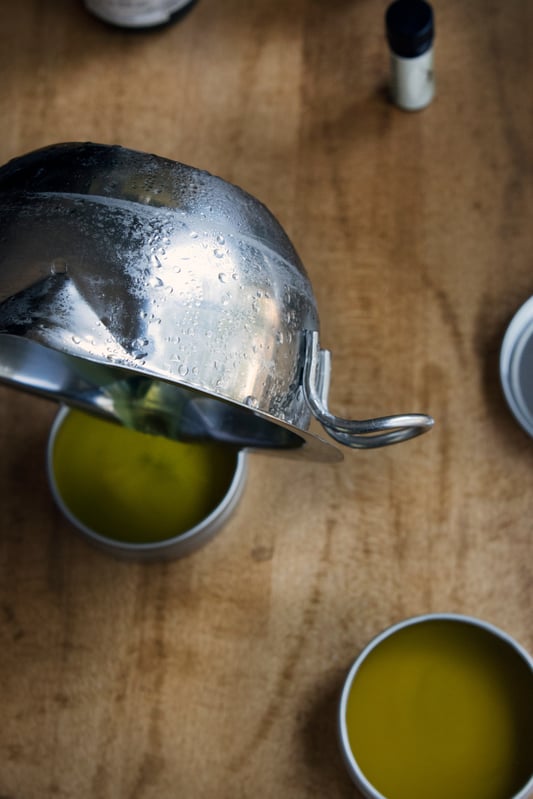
(165, 298)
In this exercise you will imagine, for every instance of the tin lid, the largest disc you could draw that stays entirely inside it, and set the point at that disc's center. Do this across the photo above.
(516, 365)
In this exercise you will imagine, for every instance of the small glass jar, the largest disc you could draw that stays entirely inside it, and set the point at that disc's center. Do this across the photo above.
(410, 34)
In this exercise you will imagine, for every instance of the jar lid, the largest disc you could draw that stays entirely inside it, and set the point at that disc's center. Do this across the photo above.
(516, 365)
(410, 27)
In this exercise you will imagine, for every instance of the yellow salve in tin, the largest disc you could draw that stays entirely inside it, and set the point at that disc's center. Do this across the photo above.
(442, 709)
(135, 487)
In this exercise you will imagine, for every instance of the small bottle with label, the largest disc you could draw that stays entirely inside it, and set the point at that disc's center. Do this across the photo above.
(137, 13)
(410, 32)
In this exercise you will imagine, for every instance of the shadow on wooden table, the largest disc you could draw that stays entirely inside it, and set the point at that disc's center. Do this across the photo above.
(321, 751)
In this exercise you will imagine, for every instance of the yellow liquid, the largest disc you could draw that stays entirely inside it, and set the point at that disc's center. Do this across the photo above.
(136, 487)
(443, 710)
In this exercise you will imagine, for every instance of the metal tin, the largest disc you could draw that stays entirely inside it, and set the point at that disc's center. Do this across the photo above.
(354, 769)
(163, 297)
(136, 13)
(516, 365)
(168, 548)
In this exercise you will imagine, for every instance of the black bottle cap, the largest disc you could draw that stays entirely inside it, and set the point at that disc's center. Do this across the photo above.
(410, 28)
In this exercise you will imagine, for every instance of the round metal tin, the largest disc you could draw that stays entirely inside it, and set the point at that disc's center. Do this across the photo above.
(358, 777)
(164, 549)
(516, 365)
(136, 13)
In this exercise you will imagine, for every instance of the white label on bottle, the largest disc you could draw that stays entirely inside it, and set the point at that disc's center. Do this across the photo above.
(135, 13)
(413, 81)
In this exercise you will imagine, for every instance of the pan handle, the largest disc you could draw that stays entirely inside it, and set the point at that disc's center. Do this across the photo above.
(358, 434)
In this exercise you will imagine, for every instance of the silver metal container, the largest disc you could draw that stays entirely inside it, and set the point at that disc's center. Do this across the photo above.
(522, 662)
(165, 549)
(516, 365)
(136, 13)
(163, 297)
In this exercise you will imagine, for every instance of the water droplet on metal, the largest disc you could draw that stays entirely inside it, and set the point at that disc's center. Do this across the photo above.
(155, 282)
(76, 340)
(279, 337)
(58, 266)
(251, 401)
(221, 239)
(222, 277)
(183, 370)
(218, 253)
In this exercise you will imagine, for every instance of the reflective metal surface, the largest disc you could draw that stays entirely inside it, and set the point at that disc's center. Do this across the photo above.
(136, 13)
(166, 298)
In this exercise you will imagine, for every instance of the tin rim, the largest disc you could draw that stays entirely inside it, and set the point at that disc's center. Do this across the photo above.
(183, 543)
(109, 13)
(350, 760)
(515, 340)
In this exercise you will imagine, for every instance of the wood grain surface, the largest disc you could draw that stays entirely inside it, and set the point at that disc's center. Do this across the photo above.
(218, 675)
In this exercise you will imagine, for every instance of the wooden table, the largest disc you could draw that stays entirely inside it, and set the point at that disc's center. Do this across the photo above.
(218, 675)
